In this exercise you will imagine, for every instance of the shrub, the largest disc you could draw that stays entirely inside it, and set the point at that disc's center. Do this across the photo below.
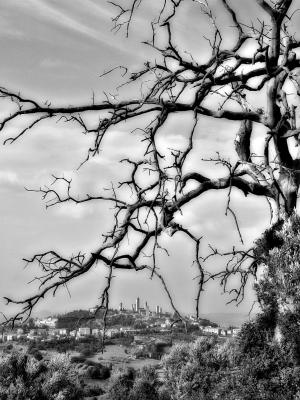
(77, 359)
(38, 355)
(121, 385)
(93, 391)
(24, 377)
(98, 372)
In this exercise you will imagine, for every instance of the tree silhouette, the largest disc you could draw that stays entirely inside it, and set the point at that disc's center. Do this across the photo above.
(262, 63)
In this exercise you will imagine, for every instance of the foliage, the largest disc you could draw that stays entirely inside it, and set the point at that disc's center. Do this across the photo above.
(279, 286)
(93, 391)
(98, 371)
(73, 319)
(24, 377)
(77, 359)
(87, 346)
(194, 369)
(263, 363)
(9, 347)
(120, 319)
(208, 370)
(142, 385)
(121, 385)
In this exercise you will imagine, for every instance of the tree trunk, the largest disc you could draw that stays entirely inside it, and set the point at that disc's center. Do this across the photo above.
(288, 189)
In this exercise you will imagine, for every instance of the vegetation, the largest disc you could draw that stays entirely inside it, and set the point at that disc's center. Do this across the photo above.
(73, 319)
(134, 386)
(263, 363)
(24, 377)
(86, 346)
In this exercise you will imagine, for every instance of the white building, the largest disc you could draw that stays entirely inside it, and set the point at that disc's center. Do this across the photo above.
(10, 336)
(236, 331)
(211, 330)
(110, 333)
(49, 321)
(84, 331)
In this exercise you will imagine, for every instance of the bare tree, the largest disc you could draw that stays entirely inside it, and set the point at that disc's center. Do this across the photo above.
(221, 87)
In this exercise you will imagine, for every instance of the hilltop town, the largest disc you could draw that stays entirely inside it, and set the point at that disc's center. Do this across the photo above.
(138, 320)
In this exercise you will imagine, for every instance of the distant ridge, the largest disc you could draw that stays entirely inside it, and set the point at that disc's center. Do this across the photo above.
(228, 319)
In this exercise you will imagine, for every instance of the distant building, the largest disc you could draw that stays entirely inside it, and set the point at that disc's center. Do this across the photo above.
(121, 307)
(110, 333)
(137, 304)
(129, 330)
(142, 311)
(49, 321)
(235, 331)
(84, 331)
(158, 310)
(10, 336)
(211, 330)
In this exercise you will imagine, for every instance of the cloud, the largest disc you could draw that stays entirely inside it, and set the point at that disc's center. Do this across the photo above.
(8, 31)
(58, 17)
(9, 179)
(64, 19)
(55, 63)
(74, 211)
(8, 176)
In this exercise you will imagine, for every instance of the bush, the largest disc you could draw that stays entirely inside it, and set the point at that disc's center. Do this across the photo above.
(38, 355)
(141, 386)
(145, 386)
(121, 385)
(93, 391)
(77, 359)
(98, 372)
(24, 377)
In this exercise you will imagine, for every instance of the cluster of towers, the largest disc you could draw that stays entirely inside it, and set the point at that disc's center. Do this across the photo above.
(137, 308)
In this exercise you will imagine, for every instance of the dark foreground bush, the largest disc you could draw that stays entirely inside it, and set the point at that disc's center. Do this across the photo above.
(22, 377)
(77, 359)
(98, 372)
(93, 391)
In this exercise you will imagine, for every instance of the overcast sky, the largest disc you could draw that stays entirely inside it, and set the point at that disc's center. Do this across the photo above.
(56, 50)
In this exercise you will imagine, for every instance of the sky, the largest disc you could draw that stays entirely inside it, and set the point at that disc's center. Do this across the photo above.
(56, 50)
